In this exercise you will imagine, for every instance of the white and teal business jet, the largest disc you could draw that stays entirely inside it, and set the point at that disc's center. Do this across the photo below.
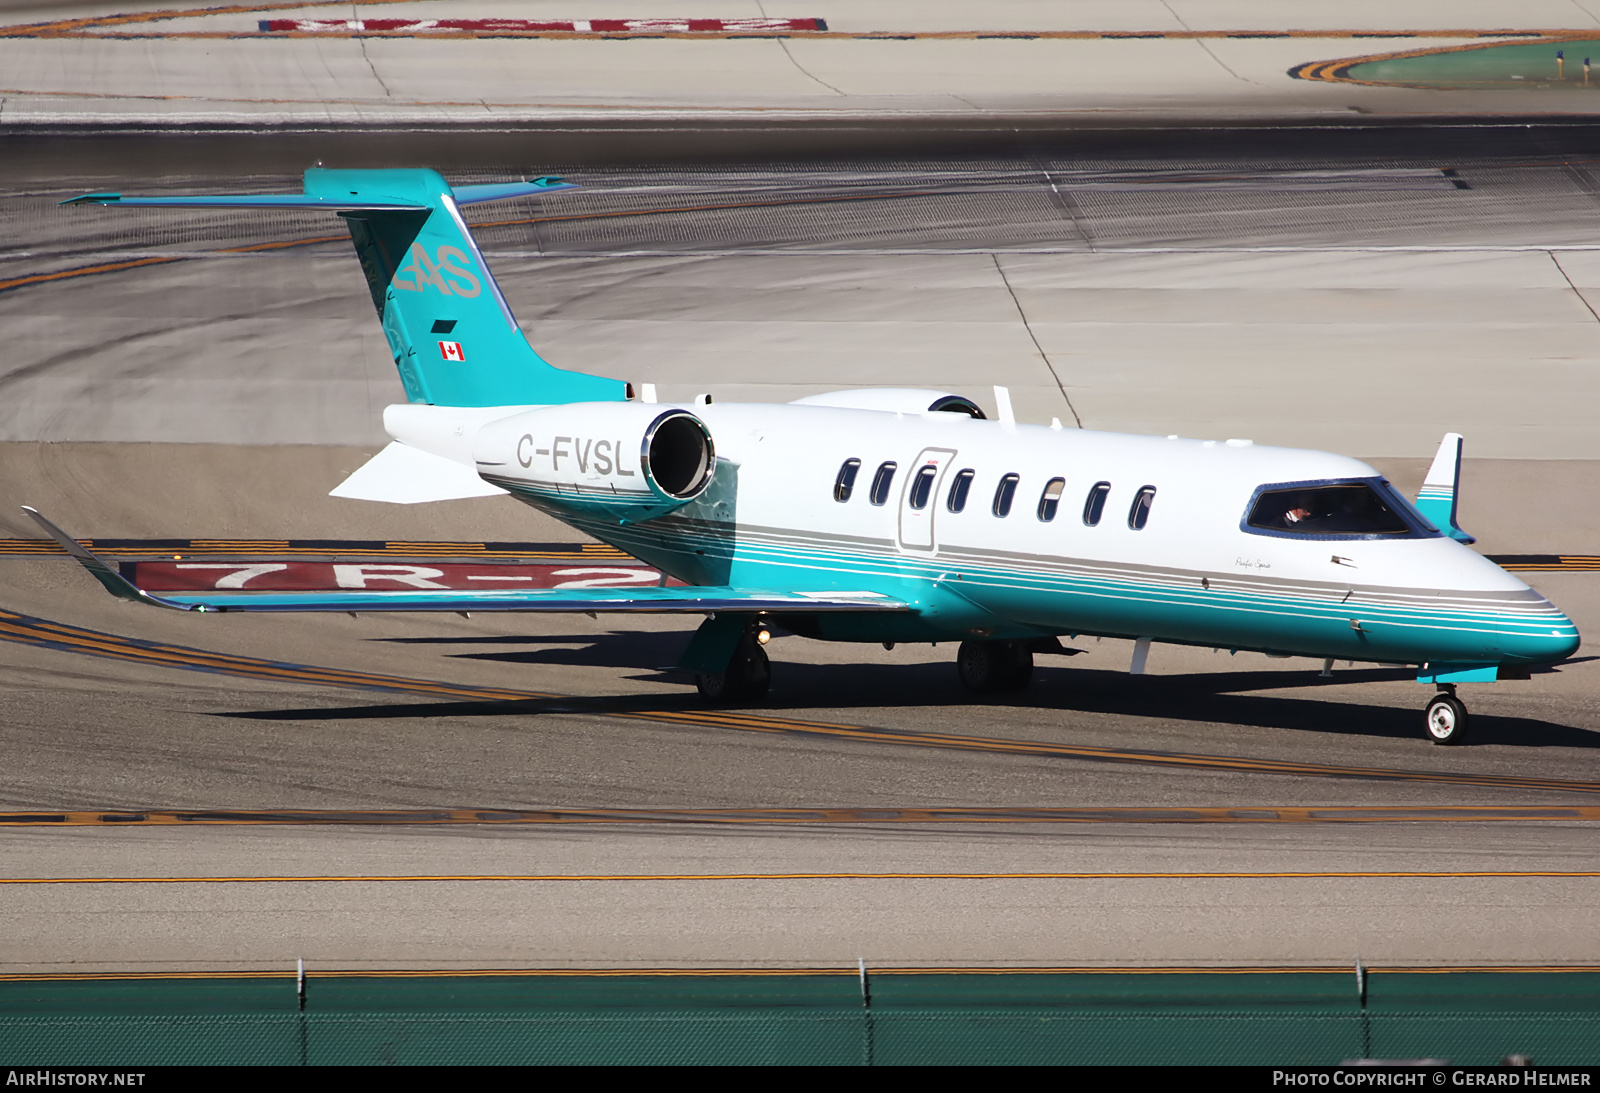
(887, 515)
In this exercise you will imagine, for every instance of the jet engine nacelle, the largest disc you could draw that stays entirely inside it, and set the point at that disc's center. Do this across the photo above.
(621, 461)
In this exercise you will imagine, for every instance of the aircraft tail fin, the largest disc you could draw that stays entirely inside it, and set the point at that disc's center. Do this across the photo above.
(1437, 498)
(451, 332)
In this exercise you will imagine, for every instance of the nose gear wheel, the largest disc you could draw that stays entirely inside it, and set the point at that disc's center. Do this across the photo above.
(1446, 719)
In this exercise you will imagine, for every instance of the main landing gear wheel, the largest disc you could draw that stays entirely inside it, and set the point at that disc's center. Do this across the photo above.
(746, 679)
(990, 666)
(1446, 719)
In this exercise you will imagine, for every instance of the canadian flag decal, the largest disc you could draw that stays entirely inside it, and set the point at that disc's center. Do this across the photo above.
(451, 351)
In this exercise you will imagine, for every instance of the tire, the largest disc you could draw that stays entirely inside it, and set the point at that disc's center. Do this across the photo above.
(975, 664)
(1445, 720)
(1018, 667)
(747, 679)
(986, 667)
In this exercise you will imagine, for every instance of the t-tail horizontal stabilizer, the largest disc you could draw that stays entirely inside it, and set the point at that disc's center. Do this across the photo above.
(403, 475)
(657, 600)
(1437, 498)
(451, 332)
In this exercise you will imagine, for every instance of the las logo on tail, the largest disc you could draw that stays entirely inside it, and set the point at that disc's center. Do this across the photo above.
(886, 515)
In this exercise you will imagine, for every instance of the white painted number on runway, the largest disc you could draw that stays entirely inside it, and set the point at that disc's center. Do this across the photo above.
(606, 578)
(357, 576)
(241, 574)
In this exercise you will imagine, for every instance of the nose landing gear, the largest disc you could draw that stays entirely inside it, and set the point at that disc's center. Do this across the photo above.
(1446, 717)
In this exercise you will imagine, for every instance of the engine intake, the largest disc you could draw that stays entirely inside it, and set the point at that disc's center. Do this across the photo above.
(678, 458)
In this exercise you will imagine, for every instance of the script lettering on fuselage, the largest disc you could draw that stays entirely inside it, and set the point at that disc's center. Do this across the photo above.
(590, 456)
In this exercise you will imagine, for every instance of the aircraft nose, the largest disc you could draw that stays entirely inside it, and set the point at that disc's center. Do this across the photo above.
(1559, 641)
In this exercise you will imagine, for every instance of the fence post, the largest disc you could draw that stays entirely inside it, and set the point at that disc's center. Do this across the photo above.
(866, 1006)
(1366, 1022)
(300, 1000)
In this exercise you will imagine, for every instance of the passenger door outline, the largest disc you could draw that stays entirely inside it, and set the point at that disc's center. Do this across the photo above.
(917, 525)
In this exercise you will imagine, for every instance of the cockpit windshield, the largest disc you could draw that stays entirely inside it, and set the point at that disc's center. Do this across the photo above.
(1365, 508)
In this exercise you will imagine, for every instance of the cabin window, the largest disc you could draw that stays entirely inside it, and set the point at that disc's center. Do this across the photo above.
(922, 485)
(959, 490)
(1095, 504)
(1050, 499)
(1139, 513)
(845, 484)
(881, 483)
(1360, 509)
(1004, 494)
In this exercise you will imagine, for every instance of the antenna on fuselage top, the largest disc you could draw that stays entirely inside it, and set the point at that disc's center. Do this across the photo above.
(1002, 408)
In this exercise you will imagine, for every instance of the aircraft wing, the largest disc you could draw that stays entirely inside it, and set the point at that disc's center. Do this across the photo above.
(690, 600)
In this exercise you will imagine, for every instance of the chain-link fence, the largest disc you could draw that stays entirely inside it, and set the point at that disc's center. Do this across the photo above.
(932, 1036)
(1092, 1020)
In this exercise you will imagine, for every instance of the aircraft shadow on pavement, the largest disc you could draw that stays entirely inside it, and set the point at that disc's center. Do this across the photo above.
(619, 649)
(1219, 698)
(1229, 698)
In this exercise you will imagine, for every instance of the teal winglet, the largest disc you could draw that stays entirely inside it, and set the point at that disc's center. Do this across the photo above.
(1437, 498)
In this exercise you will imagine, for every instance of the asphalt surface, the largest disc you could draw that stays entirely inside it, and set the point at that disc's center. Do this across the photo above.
(1214, 288)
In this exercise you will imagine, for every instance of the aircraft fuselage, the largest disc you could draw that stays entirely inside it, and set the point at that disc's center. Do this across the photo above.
(1189, 568)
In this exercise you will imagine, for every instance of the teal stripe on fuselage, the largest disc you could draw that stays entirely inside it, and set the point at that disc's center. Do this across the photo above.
(1060, 595)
